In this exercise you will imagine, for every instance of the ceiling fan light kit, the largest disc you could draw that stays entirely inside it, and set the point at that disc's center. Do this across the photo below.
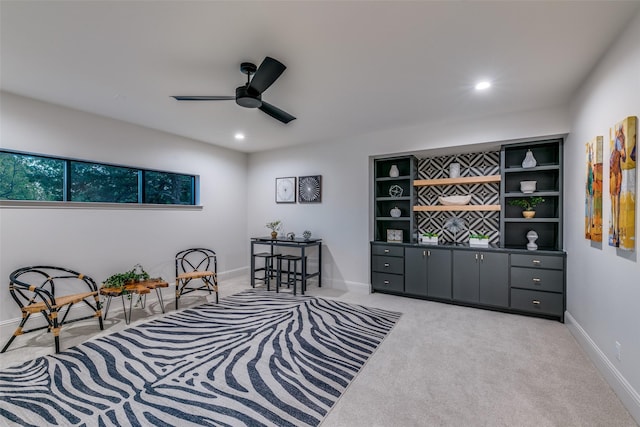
(250, 95)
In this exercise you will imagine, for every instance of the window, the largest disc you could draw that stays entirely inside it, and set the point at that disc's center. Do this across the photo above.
(25, 176)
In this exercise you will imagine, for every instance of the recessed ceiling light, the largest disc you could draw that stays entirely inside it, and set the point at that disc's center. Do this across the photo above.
(483, 85)
(239, 136)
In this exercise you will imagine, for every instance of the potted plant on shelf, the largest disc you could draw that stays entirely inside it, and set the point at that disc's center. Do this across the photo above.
(274, 226)
(528, 205)
(429, 238)
(478, 239)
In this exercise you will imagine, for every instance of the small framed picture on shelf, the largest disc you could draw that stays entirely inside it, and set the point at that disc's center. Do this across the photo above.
(394, 236)
(286, 190)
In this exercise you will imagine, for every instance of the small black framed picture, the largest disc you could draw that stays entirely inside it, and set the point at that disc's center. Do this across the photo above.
(286, 189)
(310, 189)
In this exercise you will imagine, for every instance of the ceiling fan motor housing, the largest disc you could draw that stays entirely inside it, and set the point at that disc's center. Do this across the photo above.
(246, 99)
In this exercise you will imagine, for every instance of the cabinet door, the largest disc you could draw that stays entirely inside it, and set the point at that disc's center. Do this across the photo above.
(494, 279)
(466, 285)
(415, 271)
(439, 273)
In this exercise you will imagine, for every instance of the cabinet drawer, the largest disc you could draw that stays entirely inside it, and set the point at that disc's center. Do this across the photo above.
(388, 264)
(535, 261)
(537, 279)
(537, 302)
(389, 250)
(387, 282)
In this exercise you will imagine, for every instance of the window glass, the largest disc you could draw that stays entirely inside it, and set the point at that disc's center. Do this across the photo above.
(94, 182)
(26, 177)
(168, 188)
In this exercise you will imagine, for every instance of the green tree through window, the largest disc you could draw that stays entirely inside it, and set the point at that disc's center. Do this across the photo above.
(172, 188)
(24, 177)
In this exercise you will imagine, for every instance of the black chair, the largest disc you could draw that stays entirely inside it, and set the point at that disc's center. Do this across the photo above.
(196, 270)
(268, 268)
(49, 290)
(293, 275)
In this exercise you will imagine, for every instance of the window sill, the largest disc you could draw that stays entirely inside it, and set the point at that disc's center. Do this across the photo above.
(33, 204)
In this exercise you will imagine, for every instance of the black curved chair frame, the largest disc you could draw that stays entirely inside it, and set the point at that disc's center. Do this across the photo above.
(42, 298)
(199, 264)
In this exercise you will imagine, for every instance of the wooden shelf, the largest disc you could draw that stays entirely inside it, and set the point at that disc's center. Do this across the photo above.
(456, 208)
(457, 181)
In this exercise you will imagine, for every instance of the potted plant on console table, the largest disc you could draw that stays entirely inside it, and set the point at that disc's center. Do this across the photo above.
(528, 205)
(478, 239)
(429, 238)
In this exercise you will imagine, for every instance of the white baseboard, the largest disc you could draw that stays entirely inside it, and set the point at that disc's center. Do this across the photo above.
(625, 391)
(348, 286)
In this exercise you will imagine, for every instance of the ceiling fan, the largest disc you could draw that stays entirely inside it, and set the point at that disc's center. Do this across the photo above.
(250, 95)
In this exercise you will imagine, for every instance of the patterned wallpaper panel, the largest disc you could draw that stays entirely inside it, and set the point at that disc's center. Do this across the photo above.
(471, 164)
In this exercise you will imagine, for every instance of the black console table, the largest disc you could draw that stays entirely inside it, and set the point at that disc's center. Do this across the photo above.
(299, 243)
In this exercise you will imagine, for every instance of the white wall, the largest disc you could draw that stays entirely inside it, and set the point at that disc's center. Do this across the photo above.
(604, 283)
(343, 219)
(100, 242)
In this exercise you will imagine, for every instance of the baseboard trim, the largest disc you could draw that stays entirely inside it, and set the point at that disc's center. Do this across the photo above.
(625, 391)
(348, 286)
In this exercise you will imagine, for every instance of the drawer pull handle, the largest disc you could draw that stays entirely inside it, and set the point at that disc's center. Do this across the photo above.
(386, 264)
(537, 262)
(386, 282)
(535, 302)
(536, 280)
(386, 251)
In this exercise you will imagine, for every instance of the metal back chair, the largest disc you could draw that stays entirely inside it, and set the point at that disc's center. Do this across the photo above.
(52, 291)
(196, 269)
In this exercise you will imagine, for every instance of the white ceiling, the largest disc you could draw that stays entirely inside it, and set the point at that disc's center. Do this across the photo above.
(353, 67)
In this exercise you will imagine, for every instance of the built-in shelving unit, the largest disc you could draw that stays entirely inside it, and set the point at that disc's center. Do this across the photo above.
(384, 202)
(548, 176)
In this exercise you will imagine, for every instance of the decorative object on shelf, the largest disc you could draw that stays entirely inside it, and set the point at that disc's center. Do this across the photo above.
(478, 239)
(306, 234)
(454, 225)
(274, 226)
(528, 205)
(532, 236)
(429, 238)
(291, 235)
(529, 161)
(593, 199)
(394, 172)
(394, 236)
(454, 200)
(622, 184)
(527, 186)
(286, 190)
(454, 170)
(395, 212)
(395, 191)
(310, 189)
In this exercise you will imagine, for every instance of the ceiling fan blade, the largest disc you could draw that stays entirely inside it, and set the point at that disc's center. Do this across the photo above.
(267, 73)
(276, 113)
(204, 98)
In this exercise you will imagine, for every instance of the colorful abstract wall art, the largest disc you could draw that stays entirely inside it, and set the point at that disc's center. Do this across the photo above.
(593, 191)
(622, 183)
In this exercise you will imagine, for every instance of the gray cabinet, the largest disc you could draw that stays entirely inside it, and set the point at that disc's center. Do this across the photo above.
(387, 267)
(428, 272)
(481, 277)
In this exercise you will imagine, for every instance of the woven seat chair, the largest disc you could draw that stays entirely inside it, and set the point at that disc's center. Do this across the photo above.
(196, 269)
(52, 291)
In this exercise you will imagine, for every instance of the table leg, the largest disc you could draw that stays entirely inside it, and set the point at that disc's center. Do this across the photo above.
(160, 300)
(124, 309)
(303, 282)
(319, 264)
(253, 266)
(106, 310)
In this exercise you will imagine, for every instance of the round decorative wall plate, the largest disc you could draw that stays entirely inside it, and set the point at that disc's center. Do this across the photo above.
(309, 189)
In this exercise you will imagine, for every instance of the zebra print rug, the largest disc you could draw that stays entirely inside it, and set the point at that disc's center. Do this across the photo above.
(256, 358)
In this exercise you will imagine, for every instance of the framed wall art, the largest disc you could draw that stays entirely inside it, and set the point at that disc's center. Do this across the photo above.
(310, 189)
(286, 189)
(622, 183)
(593, 191)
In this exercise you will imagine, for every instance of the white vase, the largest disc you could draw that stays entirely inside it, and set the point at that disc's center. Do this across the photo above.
(396, 212)
(529, 161)
(454, 170)
(532, 236)
(394, 172)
